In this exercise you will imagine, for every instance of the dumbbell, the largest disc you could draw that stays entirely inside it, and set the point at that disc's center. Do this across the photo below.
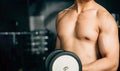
(61, 60)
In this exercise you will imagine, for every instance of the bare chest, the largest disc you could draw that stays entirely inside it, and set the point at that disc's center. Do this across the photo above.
(80, 27)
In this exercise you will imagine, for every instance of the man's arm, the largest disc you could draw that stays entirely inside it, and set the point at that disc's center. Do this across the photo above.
(57, 38)
(108, 45)
(57, 43)
(58, 18)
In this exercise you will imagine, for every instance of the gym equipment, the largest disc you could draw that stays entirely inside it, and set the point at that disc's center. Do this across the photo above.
(51, 55)
(63, 61)
(36, 43)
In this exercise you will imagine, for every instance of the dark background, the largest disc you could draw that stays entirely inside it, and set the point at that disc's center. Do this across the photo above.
(15, 16)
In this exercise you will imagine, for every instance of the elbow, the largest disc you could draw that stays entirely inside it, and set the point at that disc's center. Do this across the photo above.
(114, 66)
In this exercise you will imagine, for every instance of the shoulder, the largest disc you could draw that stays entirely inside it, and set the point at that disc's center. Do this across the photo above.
(105, 19)
(102, 13)
(62, 13)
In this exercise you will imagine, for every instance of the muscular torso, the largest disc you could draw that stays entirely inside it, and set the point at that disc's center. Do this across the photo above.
(78, 33)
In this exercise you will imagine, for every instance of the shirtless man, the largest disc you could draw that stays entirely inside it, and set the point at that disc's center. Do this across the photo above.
(87, 29)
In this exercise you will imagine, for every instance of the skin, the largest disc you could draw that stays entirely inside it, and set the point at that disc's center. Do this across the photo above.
(89, 30)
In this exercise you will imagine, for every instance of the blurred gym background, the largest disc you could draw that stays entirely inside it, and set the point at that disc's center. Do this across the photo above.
(27, 31)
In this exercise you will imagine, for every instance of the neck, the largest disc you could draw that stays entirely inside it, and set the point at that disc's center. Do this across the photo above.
(82, 5)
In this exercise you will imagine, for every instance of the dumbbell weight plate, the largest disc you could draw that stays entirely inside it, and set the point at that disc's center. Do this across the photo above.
(65, 61)
(50, 57)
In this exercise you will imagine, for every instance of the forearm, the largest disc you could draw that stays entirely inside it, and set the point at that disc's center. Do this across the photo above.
(103, 64)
